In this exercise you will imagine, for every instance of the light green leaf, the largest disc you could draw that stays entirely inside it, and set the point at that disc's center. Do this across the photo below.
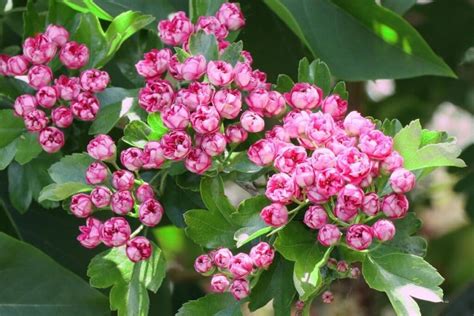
(403, 277)
(27, 148)
(37, 285)
(232, 53)
(376, 43)
(404, 241)
(212, 304)
(10, 128)
(204, 44)
(71, 168)
(88, 6)
(158, 129)
(136, 133)
(61, 191)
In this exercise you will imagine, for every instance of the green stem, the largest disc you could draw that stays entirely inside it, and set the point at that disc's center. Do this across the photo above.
(334, 218)
(137, 231)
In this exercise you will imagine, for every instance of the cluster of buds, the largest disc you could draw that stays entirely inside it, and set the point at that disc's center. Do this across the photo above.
(232, 273)
(122, 193)
(56, 101)
(335, 168)
(209, 94)
(343, 269)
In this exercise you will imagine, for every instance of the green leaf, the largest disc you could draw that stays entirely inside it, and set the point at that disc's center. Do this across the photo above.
(408, 142)
(340, 89)
(232, 53)
(88, 6)
(380, 41)
(32, 21)
(10, 128)
(136, 133)
(404, 241)
(61, 191)
(241, 163)
(212, 304)
(204, 44)
(89, 31)
(7, 154)
(129, 281)
(303, 70)
(11, 88)
(274, 283)
(27, 148)
(28, 292)
(214, 198)
(71, 168)
(391, 127)
(181, 54)
(158, 129)
(298, 244)
(398, 6)
(284, 83)
(320, 75)
(248, 217)
(199, 8)
(403, 277)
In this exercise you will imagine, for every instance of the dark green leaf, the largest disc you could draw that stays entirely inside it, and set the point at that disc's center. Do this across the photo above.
(89, 31)
(136, 133)
(27, 292)
(10, 128)
(203, 44)
(61, 191)
(284, 83)
(212, 304)
(11, 88)
(33, 22)
(7, 154)
(404, 241)
(303, 71)
(398, 6)
(27, 148)
(320, 75)
(214, 198)
(232, 53)
(391, 127)
(241, 163)
(71, 168)
(199, 8)
(248, 217)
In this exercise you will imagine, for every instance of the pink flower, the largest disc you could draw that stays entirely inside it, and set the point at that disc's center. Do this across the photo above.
(240, 289)
(327, 297)
(144, 192)
(101, 196)
(214, 144)
(47, 97)
(81, 205)
(276, 104)
(115, 232)
(247, 57)
(219, 73)
(17, 65)
(335, 106)
(203, 264)
(315, 217)
(376, 145)
(304, 96)
(123, 180)
(175, 145)
(359, 237)
(4, 71)
(57, 34)
(350, 196)
(198, 161)
(278, 133)
(329, 235)
(402, 180)
(281, 188)
(196, 94)
(174, 68)
(391, 162)
(102, 147)
(85, 107)
(150, 212)
(94, 80)
(131, 158)
(154, 63)
(240, 265)
(355, 273)
(228, 103)
(152, 156)
(222, 258)
(262, 255)
(35, 120)
(229, 14)
(175, 116)
(235, 134)
(62, 117)
(320, 127)
(205, 119)
(219, 283)
(370, 204)
(275, 215)
(342, 266)
(252, 122)
(395, 205)
(193, 67)
(74, 55)
(355, 124)
(257, 100)
(68, 88)
(345, 214)
(262, 152)
(244, 77)
(39, 76)
(96, 173)
(288, 157)
(383, 230)
(138, 249)
(51, 139)
(323, 158)
(211, 25)
(353, 165)
(329, 182)
(122, 202)
(156, 95)
(176, 30)
(295, 123)
(39, 49)
(90, 233)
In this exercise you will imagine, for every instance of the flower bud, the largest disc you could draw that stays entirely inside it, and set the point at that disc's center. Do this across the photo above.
(275, 215)
(47, 97)
(138, 249)
(94, 80)
(350, 196)
(295, 123)
(355, 124)
(122, 202)
(230, 15)
(235, 134)
(85, 107)
(176, 30)
(123, 180)
(228, 103)
(4, 71)
(320, 128)
(329, 182)
(198, 161)
(395, 205)
(150, 212)
(35, 120)
(276, 104)
(57, 34)
(102, 147)
(281, 188)
(315, 217)
(144, 192)
(154, 63)
(371, 204)
(39, 76)
(262, 152)
(219, 72)
(327, 297)
(376, 145)
(101, 196)
(252, 122)
(384, 230)
(90, 233)
(402, 180)
(359, 236)
(152, 155)
(175, 116)
(62, 117)
(197, 93)
(345, 214)
(17, 65)
(240, 265)
(176, 145)
(96, 173)
(193, 67)
(115, 232)
(51, 139)
(213, 144)
(39, 49)
(219, 283)
(244, 77)
(304, 96)
(211, 25)
(329, 235)
(342, 266)
(355, 273)
(257, 100)
(74, 55)
(24, 104)
(203, 264)
(68, 88)
(288, 157)
(353, 165)
(81, 205)
(222, 258)
(240, 289)
(131, 158)
(335, 106)
(391, 162)
(205, 119)
(262, 255)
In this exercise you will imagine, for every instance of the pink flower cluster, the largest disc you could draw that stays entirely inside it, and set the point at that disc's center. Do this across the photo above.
(127, 196)
(232, 272)
(57, 101)
(210, 92)
(334, 167)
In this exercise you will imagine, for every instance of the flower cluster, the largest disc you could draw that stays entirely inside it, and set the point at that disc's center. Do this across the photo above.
(209, 93)
(58, 100)
(126, 196)
(335, 167)
(232, 272)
